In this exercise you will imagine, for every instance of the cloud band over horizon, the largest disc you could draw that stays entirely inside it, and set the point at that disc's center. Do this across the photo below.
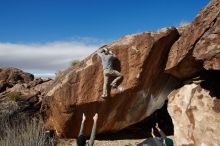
(44, 59)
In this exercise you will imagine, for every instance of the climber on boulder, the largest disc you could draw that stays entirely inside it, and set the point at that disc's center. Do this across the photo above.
(107, 62)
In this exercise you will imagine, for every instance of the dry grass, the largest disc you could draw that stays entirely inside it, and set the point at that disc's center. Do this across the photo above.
(22, 132)
(75, 62)
(14, 96)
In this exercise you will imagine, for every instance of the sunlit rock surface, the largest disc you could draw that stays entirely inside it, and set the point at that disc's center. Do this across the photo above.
(196, 116)
(199, 45)
(141, 60)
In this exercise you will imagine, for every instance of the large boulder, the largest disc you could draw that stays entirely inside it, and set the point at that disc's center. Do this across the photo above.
(196, 116)
(195, 59)
(198, 47)
(141, 60)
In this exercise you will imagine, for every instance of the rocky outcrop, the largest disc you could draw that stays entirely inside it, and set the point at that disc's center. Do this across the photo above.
(198, 47)
(141, 60)
(11, 76)
(21, 93)
(149, 62)
(195, 59)
(196, 116)
(37, 86)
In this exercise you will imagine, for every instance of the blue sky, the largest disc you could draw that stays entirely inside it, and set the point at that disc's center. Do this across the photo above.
(94, 22)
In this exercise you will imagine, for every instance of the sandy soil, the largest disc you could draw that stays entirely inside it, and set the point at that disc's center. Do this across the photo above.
(126, 142)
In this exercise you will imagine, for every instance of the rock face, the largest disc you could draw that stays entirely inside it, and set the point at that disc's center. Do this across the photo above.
(11, 76)
(78, 90)
(37, 86)
(198, 47)
(148, 62)
(20, 92)
(195, 58)
(196, 116)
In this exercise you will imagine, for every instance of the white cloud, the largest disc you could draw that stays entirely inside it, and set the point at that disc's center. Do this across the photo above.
(184, 23)
(46, 75)
(44, 58)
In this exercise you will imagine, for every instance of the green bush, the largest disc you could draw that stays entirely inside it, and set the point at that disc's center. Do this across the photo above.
(14, 96)
(75, 62)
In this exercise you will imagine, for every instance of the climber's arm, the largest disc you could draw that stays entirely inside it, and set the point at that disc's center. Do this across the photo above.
(92, 137)
(82, 125)
(152, 132)
(101, 55)
(110, 52)
(162, 134)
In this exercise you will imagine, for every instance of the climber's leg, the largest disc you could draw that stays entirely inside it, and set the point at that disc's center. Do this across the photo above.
(105, 85)
(118, 76)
